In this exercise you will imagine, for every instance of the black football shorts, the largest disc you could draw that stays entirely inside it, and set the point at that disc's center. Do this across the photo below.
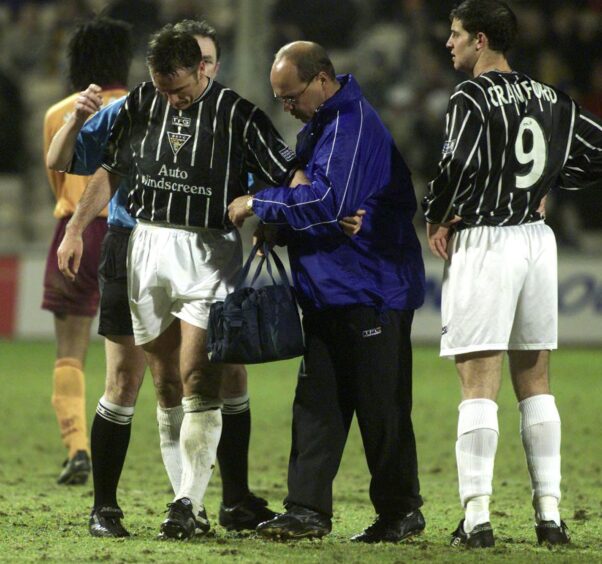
(115, 318)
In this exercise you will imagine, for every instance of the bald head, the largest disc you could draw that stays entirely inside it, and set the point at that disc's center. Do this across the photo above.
(303, 78)
(307, 57)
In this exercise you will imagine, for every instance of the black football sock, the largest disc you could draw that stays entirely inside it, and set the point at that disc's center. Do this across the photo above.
(233, 449)
(109, 442)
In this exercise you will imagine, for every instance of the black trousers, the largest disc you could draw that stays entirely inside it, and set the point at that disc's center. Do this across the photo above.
(356, 361)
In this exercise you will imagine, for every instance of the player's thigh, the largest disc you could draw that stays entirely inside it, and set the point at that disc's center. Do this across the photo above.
(536, 321)
(150, 302)
(125, 369)
(201, 265)
(163, 359)
(482, 282)
(199, 376)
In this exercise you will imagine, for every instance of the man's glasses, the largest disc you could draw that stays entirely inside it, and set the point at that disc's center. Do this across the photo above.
(292, 100)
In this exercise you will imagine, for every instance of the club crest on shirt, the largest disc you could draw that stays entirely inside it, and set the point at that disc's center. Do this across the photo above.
(180, 121)
(448, 147)
(177, 140)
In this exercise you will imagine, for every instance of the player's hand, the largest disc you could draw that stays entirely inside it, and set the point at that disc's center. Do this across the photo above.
(238, 210)
(351, 225)
(69, 254)
(88, 102)
(299, 178)
(541, 210)
(439, 234)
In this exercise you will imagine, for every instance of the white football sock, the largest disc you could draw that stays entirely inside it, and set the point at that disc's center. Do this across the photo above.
(475, 455)
(199, 437)
(476, 512)
(540, 432)
(169, 420)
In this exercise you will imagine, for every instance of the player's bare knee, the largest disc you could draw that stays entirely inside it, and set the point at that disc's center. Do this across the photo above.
(202, 380)
(121, 391)
(529, 371)
(168, 392)
(527, 387)
(122, 386)
(234, 380)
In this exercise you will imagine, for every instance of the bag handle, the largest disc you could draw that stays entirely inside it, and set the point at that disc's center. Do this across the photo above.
(267, 253)
(245, 269)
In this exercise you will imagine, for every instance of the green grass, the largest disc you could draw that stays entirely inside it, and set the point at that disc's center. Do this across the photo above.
(42, 521)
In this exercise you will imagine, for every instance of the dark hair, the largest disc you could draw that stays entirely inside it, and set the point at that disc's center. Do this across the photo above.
(100, 51)
(202, 28)
(170, 50)
(493, 18)
(309, 61)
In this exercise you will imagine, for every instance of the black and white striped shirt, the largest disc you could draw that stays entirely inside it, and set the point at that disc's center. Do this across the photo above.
(509, 140)
(186, 166)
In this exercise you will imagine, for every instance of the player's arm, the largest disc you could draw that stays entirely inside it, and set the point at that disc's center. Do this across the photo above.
(95, 198)
(266, 153)
(351, 225)
(324, 200)
(98, 192)
(583, 168)
(464, 128)
(438, 236)
(61, 148)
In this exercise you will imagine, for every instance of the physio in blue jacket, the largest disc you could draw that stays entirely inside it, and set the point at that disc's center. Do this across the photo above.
(358, 297)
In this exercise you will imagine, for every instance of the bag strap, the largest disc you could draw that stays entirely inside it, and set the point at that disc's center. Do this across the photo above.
(265, 259)
(279, 266)
(247, 266)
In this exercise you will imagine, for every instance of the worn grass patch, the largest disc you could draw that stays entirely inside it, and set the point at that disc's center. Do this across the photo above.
(40, 520)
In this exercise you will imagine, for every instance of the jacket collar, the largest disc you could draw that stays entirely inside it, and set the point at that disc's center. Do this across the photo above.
(308, 136)
(348, 93)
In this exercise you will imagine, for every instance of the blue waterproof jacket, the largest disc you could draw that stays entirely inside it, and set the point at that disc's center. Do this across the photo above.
(352, 163)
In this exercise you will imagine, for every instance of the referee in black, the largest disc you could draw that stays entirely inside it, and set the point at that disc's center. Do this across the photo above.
(188, 143)
(509, 140)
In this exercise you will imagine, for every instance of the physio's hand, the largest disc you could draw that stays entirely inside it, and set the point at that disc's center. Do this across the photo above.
(299, 178)
(270, 234)
(351, 225)
(238, 210)
(439, 234)
(88, 102)
(260, 237)
(69, 254)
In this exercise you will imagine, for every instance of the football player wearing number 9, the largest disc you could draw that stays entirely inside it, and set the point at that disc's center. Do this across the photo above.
(509, 140)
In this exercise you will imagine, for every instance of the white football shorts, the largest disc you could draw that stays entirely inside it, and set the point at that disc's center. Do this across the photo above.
(500, 290)
(178, 272)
